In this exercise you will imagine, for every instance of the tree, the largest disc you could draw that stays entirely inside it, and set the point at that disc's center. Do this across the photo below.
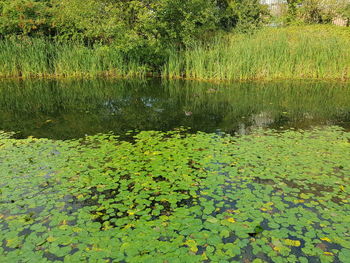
(244, 15)
(24, 17)
(345, 12)
(314, 11)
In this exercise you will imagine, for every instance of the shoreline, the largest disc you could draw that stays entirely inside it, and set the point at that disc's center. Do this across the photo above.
(165, 78)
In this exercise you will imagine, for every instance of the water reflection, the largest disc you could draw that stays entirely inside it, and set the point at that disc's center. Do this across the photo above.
(71, 109)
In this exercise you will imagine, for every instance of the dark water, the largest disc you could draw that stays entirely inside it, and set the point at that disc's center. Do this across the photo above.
(72, 109)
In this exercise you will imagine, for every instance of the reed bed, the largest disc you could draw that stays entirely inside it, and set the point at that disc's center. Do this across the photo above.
(42, 58)
(290, 53)
(313, 52)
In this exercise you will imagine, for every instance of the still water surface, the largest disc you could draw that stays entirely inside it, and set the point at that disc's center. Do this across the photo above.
(73, 109)
(250, 202)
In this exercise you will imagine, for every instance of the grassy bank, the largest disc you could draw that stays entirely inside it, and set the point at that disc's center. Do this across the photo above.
(316, 52)
(42, 58)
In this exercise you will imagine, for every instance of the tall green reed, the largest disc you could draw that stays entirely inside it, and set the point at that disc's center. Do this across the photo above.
(314, 52)
(43, 58)
(310, 52)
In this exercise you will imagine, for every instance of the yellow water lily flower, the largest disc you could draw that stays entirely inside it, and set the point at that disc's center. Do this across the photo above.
(293, 243)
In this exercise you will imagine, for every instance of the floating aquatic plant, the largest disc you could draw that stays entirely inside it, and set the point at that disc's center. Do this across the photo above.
(177, 197)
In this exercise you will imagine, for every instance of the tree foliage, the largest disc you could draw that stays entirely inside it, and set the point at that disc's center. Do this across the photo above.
(126, 22)
(316, 11)
(243, 15)
(345, 12)
(25, 17)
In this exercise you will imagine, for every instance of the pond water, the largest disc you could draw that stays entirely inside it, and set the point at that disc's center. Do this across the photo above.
(167, 194)
(72, 109)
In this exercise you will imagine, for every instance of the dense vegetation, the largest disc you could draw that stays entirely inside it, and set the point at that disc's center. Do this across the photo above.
(296, 52)
(169, 38)
(177, 197)
(122, 36)
(131, 25)
(315, 11)
(308, 52)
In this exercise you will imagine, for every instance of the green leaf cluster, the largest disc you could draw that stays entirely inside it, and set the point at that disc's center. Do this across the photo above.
(177, 197)
(128, 24)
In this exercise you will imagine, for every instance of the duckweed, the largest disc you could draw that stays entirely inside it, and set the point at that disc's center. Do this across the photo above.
(177, 197)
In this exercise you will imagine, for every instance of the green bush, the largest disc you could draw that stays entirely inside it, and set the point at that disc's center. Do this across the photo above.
(316, 11)
(129, 24)
(89, 20)
(344, 12)
(243, 15)
(143, 31)
(24, 17)
(183, 23)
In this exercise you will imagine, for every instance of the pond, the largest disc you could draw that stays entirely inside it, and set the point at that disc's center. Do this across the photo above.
(71, 109)
(151, 171)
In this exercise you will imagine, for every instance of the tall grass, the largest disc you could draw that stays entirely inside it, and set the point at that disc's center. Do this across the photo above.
(42, 58)
(283, 53)
(315, 52)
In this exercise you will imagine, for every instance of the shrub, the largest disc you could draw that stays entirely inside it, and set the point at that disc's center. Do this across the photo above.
(244, 15)
(315, 11)
(24, 17)
(344, 12)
